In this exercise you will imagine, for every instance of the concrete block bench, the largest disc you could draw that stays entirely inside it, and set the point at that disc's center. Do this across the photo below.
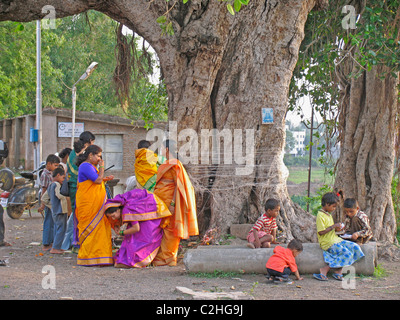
(242, 259)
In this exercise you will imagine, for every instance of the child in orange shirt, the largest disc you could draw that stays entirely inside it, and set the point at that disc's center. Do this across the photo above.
(282, 262)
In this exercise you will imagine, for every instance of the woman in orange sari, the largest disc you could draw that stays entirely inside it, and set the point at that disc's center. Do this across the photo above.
(173, 186)
(93, 227)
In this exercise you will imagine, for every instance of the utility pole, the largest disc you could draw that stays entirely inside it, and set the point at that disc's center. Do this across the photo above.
(38, 144)
(311, 128)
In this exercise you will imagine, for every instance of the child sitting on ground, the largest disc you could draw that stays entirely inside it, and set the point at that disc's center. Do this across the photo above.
(282, 262)
(263, 232)
(59, 208)
(356, 224)
(337, 252)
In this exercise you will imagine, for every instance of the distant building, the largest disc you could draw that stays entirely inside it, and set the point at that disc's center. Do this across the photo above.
(117, 136)
(299, 147)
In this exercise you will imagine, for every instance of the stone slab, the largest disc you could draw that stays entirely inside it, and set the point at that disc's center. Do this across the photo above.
(243, 259)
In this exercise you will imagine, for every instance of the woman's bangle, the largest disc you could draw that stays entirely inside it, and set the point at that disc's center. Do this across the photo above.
(121, 232)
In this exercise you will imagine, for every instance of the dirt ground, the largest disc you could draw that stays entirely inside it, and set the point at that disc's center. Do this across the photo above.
(23, 279)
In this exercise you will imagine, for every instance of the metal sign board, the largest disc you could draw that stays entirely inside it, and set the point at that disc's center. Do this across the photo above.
(65, 129)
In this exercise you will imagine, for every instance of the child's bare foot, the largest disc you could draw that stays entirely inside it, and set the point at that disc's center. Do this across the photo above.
(56, 251)
(250, 245)
(266, 245)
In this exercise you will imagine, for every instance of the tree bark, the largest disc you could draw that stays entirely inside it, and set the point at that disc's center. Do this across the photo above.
(367, 135)
(220, 71)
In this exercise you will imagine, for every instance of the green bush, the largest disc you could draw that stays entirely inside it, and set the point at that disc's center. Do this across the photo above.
(396, 202)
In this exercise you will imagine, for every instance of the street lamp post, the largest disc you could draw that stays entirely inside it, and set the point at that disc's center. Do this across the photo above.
(87, 73)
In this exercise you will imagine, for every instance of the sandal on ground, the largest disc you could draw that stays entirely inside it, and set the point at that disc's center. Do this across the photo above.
(320, 277)
(337, 276)
(286, 280)
(5, 244)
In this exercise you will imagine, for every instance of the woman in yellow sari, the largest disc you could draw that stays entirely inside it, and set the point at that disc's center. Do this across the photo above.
(146, 166)
(173, 186)
(93, 227)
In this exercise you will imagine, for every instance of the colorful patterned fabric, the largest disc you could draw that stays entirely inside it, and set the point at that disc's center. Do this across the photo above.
(173, 184)
(358, 224)
(342, 254)
(146, 167)
(94, 228)
(264, 224)
(139, 206)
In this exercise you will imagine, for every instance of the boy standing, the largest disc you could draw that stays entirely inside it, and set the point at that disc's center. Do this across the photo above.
(59, 208)
(356, 223)
(52, 162)
(282, 263)
(263, 232)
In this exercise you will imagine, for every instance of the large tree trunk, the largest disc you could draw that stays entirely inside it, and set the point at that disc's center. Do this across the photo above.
(367, 135)
(220, 71)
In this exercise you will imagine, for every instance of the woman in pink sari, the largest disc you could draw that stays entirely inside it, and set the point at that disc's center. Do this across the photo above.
(140, 212)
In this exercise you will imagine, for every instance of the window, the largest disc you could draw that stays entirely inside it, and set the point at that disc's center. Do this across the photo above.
(112, 149)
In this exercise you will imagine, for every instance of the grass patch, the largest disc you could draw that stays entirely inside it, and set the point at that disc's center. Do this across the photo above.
(299, 175)
(379, 272)
(215, 274)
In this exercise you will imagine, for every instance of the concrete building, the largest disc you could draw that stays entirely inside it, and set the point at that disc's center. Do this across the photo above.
(118, 138)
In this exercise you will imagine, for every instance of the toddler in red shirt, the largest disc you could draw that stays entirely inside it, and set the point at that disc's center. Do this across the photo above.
(282, 263)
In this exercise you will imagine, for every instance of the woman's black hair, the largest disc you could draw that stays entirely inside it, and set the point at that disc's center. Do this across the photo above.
(78, 146)
(87, 137)
(92, 149)
(172, 148)
(111, 210)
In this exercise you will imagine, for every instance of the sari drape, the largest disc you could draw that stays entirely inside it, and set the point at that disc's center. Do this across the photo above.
(146, 168)
(139, 206)
(93, 227)
(172, 179)
(72, 182)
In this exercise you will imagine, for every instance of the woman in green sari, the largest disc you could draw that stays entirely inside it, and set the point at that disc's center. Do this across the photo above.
(85, 139)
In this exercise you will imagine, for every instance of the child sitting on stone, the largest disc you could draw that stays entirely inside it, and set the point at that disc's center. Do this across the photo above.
(356, 224)
(263, 232)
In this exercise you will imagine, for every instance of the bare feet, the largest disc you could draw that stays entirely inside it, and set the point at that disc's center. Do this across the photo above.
(56, 251)
(250, 245)
(46, 247)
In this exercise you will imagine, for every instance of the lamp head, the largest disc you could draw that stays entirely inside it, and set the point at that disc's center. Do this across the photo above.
(89, 71)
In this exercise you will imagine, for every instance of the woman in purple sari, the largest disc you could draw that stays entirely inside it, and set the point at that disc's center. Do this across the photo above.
(136, 215)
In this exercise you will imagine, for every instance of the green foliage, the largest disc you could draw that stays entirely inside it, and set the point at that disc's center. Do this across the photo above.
(396, 202)
(67, 51)
(374, 41)
(314, 202)
(379, 272)
(18, 69)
